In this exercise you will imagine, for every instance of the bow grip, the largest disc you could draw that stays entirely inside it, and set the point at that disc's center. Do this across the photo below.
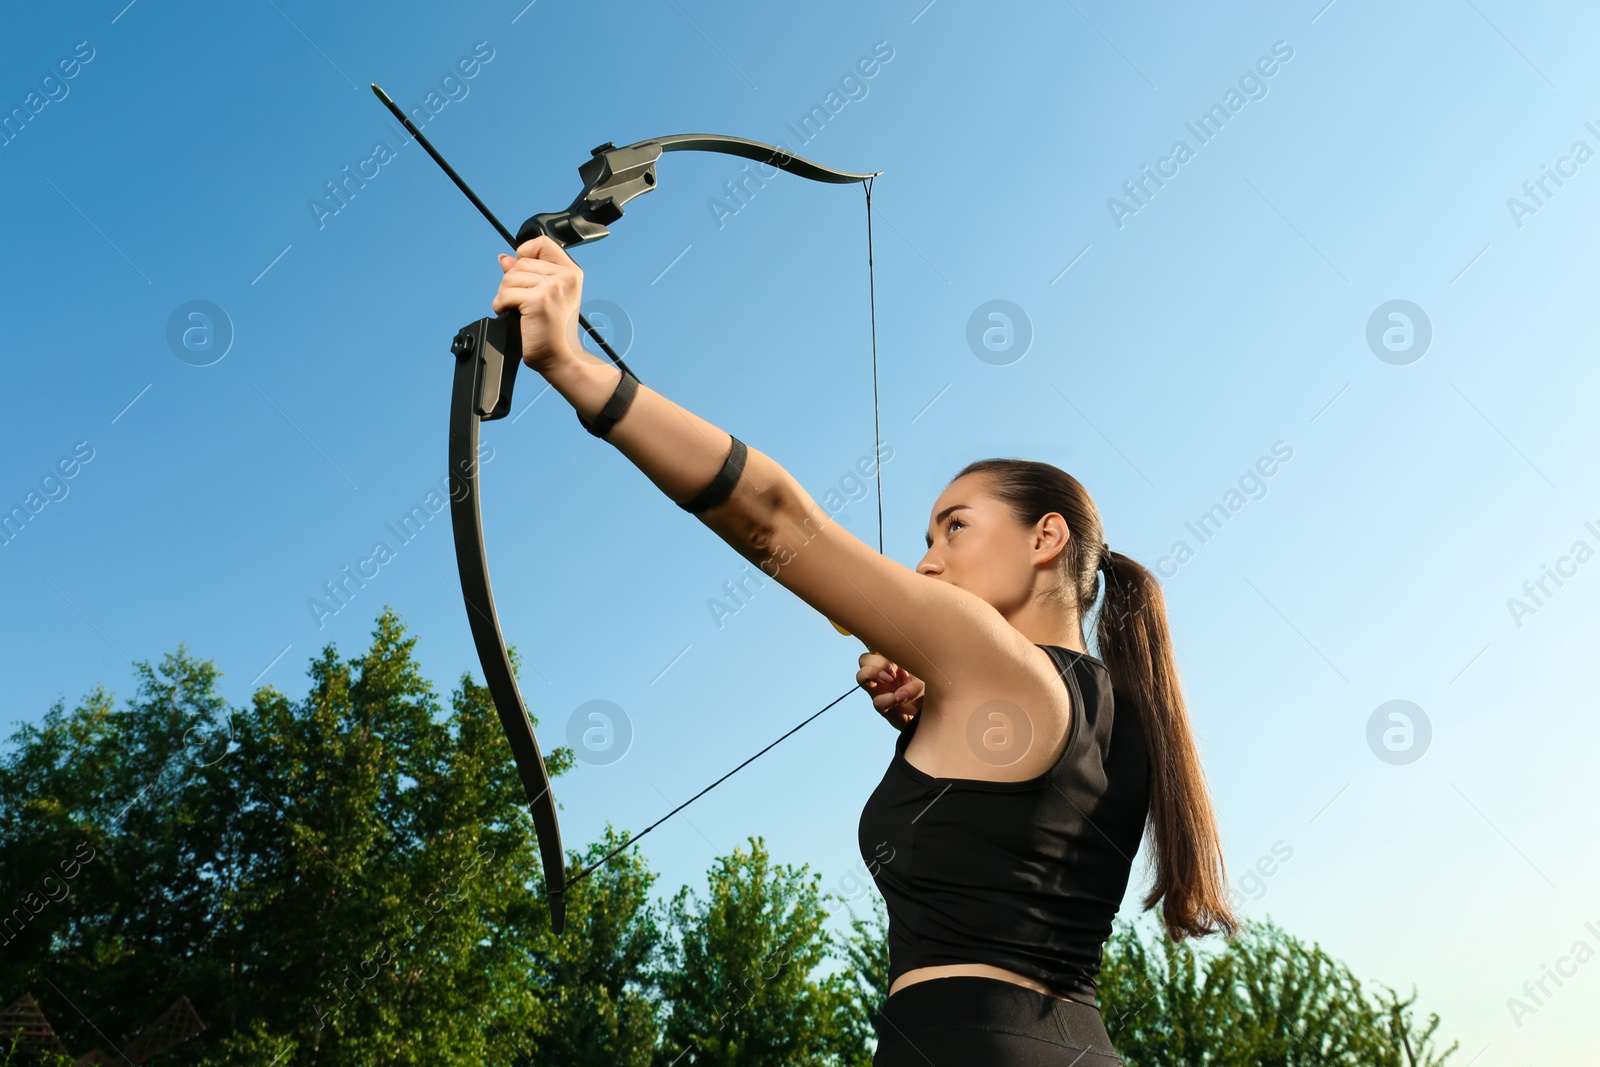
(494, 343)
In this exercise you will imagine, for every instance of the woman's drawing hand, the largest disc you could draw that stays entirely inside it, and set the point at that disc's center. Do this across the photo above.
(896, 694)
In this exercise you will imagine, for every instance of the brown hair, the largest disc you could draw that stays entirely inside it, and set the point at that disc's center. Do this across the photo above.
(1135, 643)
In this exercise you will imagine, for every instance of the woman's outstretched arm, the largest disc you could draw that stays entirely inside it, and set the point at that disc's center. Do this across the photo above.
(675, 448)
(952, 639)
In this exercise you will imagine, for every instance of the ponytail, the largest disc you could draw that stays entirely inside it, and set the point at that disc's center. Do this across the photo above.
(1136, 646)
(1135, 643)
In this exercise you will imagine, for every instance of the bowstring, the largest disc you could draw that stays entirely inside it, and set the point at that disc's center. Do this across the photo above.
(872, 304)
(877, 441)
(603, 860)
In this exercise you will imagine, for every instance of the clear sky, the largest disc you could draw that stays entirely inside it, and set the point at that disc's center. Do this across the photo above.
(1435, 459)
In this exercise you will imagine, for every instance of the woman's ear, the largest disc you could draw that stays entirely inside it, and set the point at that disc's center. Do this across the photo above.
(1053, 535)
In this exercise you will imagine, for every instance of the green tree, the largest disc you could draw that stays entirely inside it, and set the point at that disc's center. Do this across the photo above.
(13, 1058)
(352, 878)
(115, 852)
(863, 986)
(598, 981)
(738, 983)
(1263, 999)
(346, 879)
(1417, 1044)
(392, 892)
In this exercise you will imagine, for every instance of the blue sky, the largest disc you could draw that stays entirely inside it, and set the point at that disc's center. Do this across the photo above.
(1176, 339)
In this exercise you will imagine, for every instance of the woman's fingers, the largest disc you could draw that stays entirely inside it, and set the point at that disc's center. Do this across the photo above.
(874, 679)
(873, 664)
(875, 674)
(888, 685)
(896, 695)
(544, 285)
(545, 248)
(531, 266)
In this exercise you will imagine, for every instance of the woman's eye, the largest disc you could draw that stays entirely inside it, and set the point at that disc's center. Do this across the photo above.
(954, 524)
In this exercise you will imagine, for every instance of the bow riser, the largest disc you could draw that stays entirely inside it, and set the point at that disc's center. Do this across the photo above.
(611, 177)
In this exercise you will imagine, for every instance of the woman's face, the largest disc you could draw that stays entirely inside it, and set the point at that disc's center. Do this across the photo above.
(976, 543)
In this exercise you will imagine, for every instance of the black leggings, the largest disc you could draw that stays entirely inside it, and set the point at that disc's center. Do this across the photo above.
(966, 1021)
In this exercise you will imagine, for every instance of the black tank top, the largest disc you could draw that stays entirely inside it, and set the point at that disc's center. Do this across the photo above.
(1021, 875)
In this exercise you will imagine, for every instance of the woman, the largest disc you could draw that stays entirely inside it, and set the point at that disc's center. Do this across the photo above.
(1003, 833)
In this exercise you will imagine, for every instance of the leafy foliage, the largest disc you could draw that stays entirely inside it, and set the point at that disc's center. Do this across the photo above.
(864, 986)
(738, 979)
(342, 879)
(351, 879)
(1265, 999)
